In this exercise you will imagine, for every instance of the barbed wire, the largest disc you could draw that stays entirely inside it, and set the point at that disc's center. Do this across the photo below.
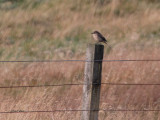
(134, 84)
(74, 110)
(123, 60)
(30, 86)
(80, 84)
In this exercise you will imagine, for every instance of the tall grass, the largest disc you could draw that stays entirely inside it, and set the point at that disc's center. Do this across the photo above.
(70, 97)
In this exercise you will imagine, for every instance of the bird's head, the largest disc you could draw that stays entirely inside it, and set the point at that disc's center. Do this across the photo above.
(95, 32)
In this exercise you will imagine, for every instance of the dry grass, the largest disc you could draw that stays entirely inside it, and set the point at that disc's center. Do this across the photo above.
(69, 97)
(60, 30)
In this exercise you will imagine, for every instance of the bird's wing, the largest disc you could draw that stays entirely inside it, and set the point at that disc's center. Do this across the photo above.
(103, 38)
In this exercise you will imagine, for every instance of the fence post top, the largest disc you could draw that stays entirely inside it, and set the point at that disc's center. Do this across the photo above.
(91, 44)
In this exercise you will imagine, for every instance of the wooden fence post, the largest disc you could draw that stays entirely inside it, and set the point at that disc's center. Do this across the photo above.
(92, 81)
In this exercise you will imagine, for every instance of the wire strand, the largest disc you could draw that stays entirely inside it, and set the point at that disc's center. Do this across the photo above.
(31, 86)
(106, 110)
(80, 84)
(130, 84)
(39, 61)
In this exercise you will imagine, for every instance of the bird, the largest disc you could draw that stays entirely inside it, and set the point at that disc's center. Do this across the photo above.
(98, 37)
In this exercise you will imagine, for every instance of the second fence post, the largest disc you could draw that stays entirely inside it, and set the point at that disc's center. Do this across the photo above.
(92, 81)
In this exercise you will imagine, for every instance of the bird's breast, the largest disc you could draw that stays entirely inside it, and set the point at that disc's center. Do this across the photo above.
(95, 37)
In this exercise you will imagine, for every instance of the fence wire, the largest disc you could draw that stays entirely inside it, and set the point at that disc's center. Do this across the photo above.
(80, 84)
(39, 61)
(105, 110)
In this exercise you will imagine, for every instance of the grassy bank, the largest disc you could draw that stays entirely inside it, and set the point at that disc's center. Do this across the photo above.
(57, 29)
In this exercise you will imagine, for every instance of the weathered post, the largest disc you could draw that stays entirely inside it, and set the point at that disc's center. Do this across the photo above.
(92, 82)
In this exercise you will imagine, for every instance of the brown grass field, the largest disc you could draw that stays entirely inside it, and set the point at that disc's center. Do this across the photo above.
(60, 29)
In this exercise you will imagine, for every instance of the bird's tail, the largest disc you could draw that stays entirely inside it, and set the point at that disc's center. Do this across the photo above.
(108, 44)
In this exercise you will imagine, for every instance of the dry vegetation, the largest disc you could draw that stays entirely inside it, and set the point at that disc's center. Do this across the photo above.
(60, 29)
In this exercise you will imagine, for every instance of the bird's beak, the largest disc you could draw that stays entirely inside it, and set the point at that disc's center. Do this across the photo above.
(92, 33)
